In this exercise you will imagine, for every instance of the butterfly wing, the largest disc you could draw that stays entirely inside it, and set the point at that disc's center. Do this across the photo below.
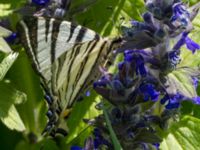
(45, 39)
(66, 57)
(76, 69)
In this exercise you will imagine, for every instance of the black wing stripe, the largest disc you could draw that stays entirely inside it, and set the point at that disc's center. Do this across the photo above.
(47, 28)
(55, 31)
(90, 47)
(90, 71)
(25, 31)
(72, 28)
(80, 35)
(76, 50)
(83, 66)
(31, 38)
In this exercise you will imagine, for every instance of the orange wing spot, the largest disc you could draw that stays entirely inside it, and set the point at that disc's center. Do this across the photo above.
(65, 114)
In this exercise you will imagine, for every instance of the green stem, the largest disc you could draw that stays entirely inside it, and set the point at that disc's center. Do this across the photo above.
(115, 141)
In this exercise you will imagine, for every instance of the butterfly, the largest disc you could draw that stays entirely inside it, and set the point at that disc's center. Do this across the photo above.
(66, 57)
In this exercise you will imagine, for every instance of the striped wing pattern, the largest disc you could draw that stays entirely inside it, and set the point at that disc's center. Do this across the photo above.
(66, 57)
(47, 39)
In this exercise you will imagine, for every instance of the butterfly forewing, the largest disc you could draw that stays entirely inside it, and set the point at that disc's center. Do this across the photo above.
(46, 39)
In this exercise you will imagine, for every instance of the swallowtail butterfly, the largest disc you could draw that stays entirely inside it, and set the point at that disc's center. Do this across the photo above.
(66, 57)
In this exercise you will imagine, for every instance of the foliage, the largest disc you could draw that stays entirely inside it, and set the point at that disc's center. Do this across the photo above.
(22, 106)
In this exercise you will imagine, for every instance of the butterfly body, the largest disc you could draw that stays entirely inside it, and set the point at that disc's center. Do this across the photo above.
(67, 58)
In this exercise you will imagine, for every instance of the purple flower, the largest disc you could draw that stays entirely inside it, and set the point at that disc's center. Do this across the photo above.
(157, 145)
(148, 18)
(173, 101)
(149, 92)
(10, 39)
(196, 100)
(191, 45)
(136, 58)
(89, 144)
(40, 2)
(87, 93)
(171, 60)
(181, 42)
(195, 81)
(99, 139)
(76, 148)
(180, 17)
(101, 82)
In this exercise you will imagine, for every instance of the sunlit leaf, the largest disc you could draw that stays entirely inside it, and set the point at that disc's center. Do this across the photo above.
(5, 9)
(106, 17)
(7, 63)
(183, 135)
(77, 128)
(8, 113)
(13, 120)
(24, 79)
(3, 45)
(182, 82)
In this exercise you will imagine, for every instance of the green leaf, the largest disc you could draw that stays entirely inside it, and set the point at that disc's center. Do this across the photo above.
(13, 120)
(5, 9)
(8, 113)
(180, 81)
(183, 135)
(148, 138)
(78, 130)
(106, 17)
(7, 63)
(46, 144)
(25, 79)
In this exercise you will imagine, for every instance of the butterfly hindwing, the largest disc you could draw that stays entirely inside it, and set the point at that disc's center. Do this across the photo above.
(78, 72)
